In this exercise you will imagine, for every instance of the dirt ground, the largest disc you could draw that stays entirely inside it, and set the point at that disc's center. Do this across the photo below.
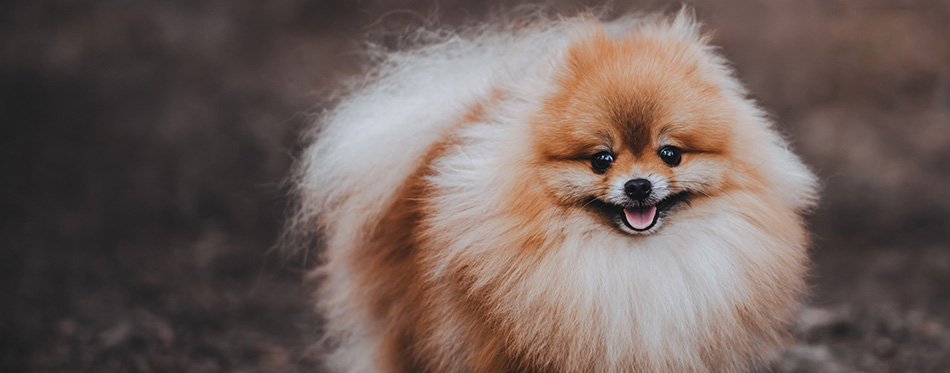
(143, 146)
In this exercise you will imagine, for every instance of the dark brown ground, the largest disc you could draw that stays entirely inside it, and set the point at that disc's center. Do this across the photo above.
(142, 147)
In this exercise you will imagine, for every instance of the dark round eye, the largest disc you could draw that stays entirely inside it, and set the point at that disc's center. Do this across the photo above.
(601, 161)
(671, 155)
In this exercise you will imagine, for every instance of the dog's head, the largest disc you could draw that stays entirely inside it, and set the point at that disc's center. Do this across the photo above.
(638, 126)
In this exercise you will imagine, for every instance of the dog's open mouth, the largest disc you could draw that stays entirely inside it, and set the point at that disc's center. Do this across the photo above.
(643, 217)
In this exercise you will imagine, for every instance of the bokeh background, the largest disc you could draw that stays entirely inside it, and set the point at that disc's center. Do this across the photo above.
(143, 146)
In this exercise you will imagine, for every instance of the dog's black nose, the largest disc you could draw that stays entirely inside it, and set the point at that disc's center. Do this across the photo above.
(638, 189)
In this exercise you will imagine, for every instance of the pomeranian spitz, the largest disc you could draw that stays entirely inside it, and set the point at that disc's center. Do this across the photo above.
(568, 195)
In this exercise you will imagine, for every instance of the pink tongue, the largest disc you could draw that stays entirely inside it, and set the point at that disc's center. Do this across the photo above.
(640, 217)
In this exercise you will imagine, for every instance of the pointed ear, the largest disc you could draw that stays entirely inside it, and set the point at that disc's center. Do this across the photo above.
(686, 28)
(589, 48)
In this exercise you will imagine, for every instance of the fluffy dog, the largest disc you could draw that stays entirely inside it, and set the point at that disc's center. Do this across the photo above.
(570, 195)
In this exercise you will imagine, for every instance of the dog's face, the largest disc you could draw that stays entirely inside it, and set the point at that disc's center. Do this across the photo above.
(636, 130)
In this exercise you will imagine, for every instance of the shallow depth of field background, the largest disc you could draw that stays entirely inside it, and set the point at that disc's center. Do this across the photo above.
(143, 146)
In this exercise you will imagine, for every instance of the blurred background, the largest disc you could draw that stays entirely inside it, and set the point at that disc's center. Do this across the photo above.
(143, 146)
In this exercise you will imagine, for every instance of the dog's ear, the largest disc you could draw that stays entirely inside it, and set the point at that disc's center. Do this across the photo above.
(583, 55)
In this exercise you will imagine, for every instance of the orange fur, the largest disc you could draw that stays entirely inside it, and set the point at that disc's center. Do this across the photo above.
(489, 255)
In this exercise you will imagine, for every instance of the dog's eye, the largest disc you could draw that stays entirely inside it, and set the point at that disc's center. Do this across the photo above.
(671, 155)
(601, 162)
